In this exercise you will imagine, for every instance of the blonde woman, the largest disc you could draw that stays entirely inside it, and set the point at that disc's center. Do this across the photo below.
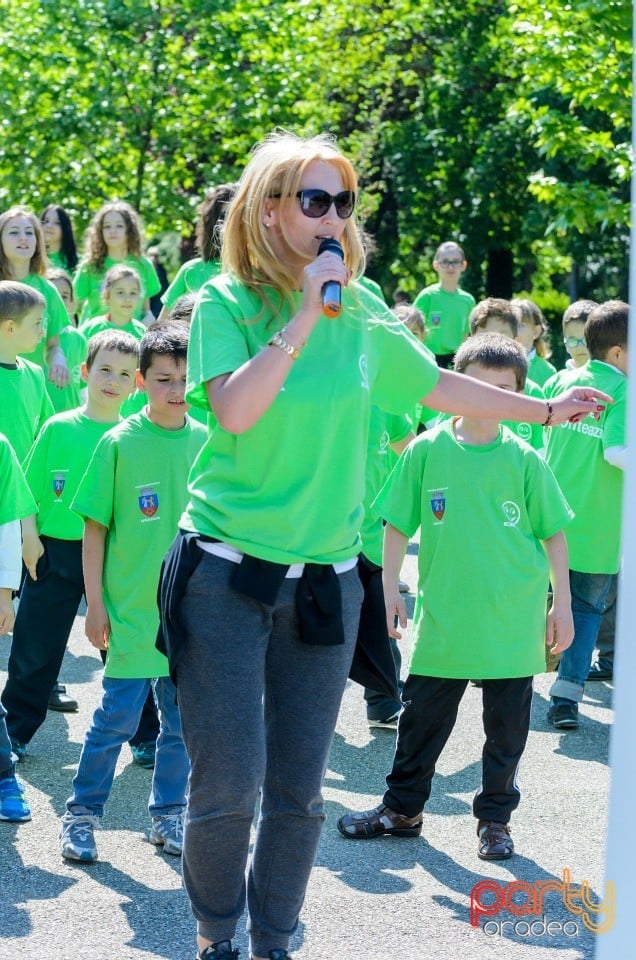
(261, 595)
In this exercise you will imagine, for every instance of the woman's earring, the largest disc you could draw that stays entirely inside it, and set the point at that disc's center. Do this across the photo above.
(266, 224)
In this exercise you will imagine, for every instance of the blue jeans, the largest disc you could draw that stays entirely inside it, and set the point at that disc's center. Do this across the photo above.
(114, 722)
(589, 593)
(6, 755)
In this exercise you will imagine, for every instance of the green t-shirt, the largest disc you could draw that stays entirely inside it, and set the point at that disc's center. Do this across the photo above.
(55, 466)
(483, 573)
(445, 317)
(24, 404)
(384, 429)
(88, 285)
(16, 500)
(73, 343)
(134, 327)
(54, 318)
(137, 400)
(59, 260)
(532, 433)
(290, 489)
(594, 487)
(136, 486)
(190, 278)
(540, 369)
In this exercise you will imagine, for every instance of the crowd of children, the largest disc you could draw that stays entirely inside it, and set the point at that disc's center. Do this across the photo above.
(96, 444)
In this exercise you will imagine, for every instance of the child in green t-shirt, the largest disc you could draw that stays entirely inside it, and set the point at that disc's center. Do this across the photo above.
(54, 586)
(24, 402)
(531, 335)
(495, 315)
(114, 235)
(573, 325)
(484, 501)
(445, 305)
(121, 293)
(15, 502)
(588, 459)
(23, 259)
(131, 497)
(209, 232)
(72, 342)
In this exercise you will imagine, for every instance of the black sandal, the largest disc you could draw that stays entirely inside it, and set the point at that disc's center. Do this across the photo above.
(374, 823)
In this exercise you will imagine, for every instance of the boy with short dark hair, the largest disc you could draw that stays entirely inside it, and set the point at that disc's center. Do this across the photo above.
(588, 459)
(131, 498)
(24, 402)
(54, 586)
(445, 305)
(485, 501)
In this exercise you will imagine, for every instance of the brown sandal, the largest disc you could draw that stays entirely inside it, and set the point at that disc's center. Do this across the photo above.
(374, 823)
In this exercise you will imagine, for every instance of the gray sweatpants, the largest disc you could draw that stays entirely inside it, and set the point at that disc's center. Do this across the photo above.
(258, 709)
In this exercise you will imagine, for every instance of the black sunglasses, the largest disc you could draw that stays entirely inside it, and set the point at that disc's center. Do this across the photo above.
(315, 203)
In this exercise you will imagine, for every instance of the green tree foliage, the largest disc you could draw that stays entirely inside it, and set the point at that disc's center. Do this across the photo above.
(504, 125)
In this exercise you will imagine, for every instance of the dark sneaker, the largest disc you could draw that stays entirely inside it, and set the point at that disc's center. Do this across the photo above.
(60, 700)
(374, 823)
(388, 723)
(77, 838)
(144, 754)
(219, 951)
(564, 716)
(495, 842)
(18, 748)
(13, 805)
(600, 672)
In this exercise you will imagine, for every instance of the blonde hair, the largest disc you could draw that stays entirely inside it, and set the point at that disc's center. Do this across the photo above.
(39, 260)
(276, 168)
(95, 249)
(530, 313)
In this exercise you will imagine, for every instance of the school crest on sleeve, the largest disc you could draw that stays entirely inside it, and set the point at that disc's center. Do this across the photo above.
(148, 501)
(438, 503)
(59, 480)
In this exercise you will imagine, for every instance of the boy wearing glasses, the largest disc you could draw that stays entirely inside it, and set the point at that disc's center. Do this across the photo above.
(445, 305)
(574, 320)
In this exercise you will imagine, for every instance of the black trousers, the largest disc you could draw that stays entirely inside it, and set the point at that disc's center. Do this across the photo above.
(428, 718)
(48, 606)
(373, 621)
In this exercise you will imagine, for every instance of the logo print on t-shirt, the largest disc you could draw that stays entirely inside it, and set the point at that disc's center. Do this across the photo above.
(385, 440)
(148, 502)
(438, 504)
(524, 430)
(364, 371)
(436, 319)
(512, 513)
(59, 479)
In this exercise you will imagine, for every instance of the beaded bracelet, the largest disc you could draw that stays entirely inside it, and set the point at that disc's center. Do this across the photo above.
(550, 417)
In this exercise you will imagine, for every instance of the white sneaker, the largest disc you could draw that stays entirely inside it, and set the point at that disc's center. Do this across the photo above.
(77, 840)
(167, 832)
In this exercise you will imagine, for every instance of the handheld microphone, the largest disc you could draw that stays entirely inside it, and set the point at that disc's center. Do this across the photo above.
(331, 290)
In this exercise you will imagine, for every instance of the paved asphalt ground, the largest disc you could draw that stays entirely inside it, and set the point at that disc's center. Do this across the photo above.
(387, 899)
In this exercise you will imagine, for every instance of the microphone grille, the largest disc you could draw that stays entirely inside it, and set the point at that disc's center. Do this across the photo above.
(331, 246)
